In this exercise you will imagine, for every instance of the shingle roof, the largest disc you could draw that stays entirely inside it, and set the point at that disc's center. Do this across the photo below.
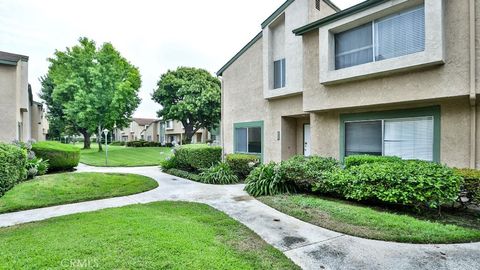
(11, 57)
(145, 121)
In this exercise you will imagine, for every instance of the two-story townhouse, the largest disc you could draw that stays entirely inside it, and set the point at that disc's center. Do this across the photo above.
(139, 129)
(14, 98)
(384, 77)
(39, 122)
(175, 132)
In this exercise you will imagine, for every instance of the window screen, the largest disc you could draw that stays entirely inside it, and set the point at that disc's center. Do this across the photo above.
(279, 73)
(255, 140)
(354, 47)
(400, 34)
(241, 144)
(363, 138)
(410, 138)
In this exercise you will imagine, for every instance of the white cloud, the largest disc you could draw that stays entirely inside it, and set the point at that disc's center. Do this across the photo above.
(153, 35)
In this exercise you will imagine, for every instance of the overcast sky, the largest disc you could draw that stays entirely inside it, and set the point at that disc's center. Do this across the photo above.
(153, 35)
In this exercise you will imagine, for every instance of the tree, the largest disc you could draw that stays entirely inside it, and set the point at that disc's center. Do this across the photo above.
(191, 96)
(88, 89)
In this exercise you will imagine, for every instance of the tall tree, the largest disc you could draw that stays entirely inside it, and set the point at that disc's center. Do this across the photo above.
(191, 96)
(88, 89)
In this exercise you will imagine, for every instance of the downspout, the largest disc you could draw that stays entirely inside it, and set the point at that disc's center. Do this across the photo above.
(473, 94)
(222, 133)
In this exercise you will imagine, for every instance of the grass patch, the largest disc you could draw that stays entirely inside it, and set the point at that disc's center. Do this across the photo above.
(120, 156)
(377, 223)
(161, 235)
(63, 188)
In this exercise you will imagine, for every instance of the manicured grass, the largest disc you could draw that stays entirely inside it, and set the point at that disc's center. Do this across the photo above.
(376, 223)
(120, 156)
(162, 235)
(63, 188)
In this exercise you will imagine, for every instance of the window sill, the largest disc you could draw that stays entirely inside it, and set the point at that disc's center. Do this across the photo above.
(382, 68)
(281, 92)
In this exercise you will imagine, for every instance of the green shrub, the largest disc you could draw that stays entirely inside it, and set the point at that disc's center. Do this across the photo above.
(60, 156)
(13, 161)
(303, 171)
(242, 164)
(183, 174)
(470, 186)
(363, 159)
(169, 163)
(195, 157)
(407, 182)
(219, 174)
(36, 166)
(265, 180)
(117, 143)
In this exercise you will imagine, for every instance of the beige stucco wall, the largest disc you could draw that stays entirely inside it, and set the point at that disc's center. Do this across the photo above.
(8, 103)
(449, 80)
(39, 123)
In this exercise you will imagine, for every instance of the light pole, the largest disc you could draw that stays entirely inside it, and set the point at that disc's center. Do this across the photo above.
(105, 132)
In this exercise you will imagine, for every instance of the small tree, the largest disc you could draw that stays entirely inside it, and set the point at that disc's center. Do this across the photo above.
(89, 89)
(191, 96)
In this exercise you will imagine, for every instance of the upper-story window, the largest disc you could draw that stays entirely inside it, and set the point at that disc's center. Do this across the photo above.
(396, 35)
(279, 73)
(317, 4)
(169, 124)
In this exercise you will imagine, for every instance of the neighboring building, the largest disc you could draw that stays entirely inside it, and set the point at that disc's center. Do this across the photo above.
(21, 118)
(384, 77)
(140, 129)
(174, 132)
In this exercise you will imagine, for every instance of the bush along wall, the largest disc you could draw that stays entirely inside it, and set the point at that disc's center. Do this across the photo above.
(242, 164)
(195, 157)
(61, 157)
(13, 162)
(470, 188)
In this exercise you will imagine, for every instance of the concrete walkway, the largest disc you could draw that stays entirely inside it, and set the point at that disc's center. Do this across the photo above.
(307, 245)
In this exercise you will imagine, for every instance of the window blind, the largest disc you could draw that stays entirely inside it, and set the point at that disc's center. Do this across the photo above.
(363, 138)
(400, 34)
(254, 140)
(241, 143)
(410, 138)
(354, 47)
(279, 72)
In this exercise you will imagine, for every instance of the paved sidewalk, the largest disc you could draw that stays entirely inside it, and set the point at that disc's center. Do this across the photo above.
(309, 246)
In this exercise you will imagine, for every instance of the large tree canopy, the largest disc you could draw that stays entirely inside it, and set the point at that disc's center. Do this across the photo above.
(191, 96)
(88, 89)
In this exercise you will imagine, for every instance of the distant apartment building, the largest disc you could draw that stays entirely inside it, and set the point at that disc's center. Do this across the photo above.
(21, 118)
(175, 132)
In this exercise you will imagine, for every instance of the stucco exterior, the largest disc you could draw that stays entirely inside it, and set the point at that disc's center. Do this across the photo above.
(15, 122)
(39, 123)
(452, 85)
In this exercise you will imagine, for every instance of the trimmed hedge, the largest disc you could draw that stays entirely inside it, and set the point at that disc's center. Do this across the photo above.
(61, 157)
(142, 143)
(364, 159)
(242, 164)
(195, 157)
(407, 182)
(13, 162)
(470, 187)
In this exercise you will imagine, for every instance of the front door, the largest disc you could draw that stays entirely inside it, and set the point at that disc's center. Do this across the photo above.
(306, 140)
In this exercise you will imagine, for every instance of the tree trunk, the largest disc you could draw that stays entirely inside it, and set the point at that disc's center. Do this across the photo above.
(86, 139)
(99, 139)
(189, 132)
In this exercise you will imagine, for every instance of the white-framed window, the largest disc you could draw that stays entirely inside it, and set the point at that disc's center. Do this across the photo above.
(408, 138)
(169, 124)
(396, 35)
(248, 140)
(279, 73)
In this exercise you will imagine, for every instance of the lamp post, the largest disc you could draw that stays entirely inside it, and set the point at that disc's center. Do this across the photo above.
(105, 132)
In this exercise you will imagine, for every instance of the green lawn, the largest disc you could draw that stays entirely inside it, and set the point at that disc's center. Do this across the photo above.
(63, 188)
(376, 223)
(120, 156)
(162, 235)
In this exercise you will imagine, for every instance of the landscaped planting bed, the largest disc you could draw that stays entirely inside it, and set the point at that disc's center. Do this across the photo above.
(163, 235)
(63, 188)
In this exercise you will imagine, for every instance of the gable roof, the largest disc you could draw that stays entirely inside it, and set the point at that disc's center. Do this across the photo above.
(145, 121)
(264, 24)
(11, 58)
(337, 16)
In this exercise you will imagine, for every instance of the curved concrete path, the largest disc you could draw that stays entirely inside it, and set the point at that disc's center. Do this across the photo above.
(307, 245)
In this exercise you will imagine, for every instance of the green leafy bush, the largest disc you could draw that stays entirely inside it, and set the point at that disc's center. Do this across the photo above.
(266, 180)
(195, 157)
(470, 187)
(142, 143)
(36, 166)
(13, 161)
(183, 174)
(407, 182)
(60, 156)
(219, 174)
(303, 171)
(169, 163)
(118, 143)
(363, 159)
(242, 164)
